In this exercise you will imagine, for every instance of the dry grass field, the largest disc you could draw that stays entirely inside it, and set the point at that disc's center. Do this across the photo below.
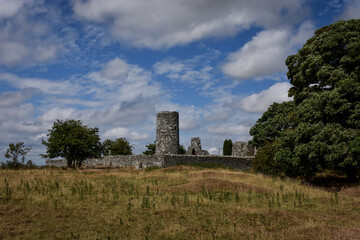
(170, 203)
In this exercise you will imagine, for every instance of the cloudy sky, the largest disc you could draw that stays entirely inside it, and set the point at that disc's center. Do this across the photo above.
(115, 63)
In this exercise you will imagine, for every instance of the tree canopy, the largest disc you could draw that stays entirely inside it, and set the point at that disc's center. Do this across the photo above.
(182, 149)
(227, 147)
(270, 125)
(17, 152)
(320, 129)
(73, 141)
(120, 146)
(150, 149)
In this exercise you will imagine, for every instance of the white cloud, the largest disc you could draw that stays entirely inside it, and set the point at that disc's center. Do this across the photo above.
(45, 53)
(13, 52)
(126, 133)
(266, 53)
(46, 86)
(16, 113)
(214, 151)
(115, 68)
(227, 130)
(59, 113)
(27, 35)
(190, 117)
(162, 24)
(9, 99)
(120, 81)
(352, 9)
(168, 66)
(259, 102)
(25, 127)
(10, 8)
(38, 137)
(197, 71)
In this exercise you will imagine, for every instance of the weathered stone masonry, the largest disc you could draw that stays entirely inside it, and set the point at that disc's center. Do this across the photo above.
(242, 149)
(143, 161)
(167, 133)
(195, 147)
(237, 163)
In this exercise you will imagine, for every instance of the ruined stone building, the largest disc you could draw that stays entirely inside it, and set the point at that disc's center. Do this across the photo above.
(195, 147)
(167, 133)
(243, 149)
(167, 151)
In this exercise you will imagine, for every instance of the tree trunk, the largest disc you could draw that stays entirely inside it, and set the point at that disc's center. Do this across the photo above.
(351, 173)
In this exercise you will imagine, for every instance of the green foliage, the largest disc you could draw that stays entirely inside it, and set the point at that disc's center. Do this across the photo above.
(182, 149)
(264, 161)
(150, 149)
(227, 147)
(120, 146)
(270, 125)
(73, 141)
(16, 152)
(328, 60)
(320, 129)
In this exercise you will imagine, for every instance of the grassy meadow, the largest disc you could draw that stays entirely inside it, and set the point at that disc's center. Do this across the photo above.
(179, 202)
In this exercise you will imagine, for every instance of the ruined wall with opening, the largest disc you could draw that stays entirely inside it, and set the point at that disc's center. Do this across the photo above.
(195, 147)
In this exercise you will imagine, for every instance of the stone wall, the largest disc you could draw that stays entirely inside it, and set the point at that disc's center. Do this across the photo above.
(237, 163)
(138, 161)
(242, 149)
(143, 161)
(56, 163)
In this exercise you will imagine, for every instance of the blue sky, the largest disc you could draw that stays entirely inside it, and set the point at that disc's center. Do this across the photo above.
(115, 63)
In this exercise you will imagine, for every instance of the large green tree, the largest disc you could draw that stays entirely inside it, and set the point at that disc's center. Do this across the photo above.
(120, 146)
(73, 141)
(268, 128)
(270, 125)
(322, 130)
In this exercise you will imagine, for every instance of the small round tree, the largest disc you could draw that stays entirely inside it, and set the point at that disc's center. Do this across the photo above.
(182, 149)
(227, 147)
(120, 146)
(16, 152)
(150, 149)
(73, 141)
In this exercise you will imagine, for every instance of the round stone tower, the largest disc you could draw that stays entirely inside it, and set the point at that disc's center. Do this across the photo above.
(167, 133)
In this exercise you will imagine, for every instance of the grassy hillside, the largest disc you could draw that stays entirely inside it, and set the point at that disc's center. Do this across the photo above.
(172, 203)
